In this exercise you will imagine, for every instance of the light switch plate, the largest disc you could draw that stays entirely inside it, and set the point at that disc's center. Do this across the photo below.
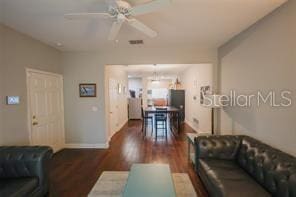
(12, 100)
(94, 108)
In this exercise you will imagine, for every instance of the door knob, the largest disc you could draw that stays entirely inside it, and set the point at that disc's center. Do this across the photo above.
(35, 123)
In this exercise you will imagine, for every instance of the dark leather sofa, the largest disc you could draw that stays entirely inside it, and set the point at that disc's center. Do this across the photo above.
(23, 171)
(240, 166)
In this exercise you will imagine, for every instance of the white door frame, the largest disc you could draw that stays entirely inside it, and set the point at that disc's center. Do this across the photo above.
(28, 72)
(109, 109)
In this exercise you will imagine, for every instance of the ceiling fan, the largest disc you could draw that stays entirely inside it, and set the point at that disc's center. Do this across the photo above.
(122, 12)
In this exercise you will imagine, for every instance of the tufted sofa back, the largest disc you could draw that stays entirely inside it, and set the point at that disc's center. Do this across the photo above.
(273, 169)
(20, 161)
(218, 147)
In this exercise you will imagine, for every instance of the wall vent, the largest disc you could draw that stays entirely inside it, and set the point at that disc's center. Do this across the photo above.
(134, 42)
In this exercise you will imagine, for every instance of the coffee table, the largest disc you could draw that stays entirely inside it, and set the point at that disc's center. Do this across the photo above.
(149, 180)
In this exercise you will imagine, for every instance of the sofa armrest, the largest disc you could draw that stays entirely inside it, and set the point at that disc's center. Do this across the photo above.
(25, 161)
(217, 146)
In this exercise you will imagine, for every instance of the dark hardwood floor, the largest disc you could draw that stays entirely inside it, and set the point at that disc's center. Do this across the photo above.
(75, 171)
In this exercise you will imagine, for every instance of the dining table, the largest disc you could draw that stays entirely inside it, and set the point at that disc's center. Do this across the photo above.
(174, 112)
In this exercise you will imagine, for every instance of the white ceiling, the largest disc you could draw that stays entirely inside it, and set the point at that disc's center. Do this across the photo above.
(164, 71)
(199, 23)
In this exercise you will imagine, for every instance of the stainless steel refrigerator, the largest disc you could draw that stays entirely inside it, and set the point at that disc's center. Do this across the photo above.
(176, 98)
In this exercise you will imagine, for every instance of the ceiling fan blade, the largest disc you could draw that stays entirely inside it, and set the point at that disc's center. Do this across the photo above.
(142, 27)
(149, 7)
(81, 16)
(115, 29)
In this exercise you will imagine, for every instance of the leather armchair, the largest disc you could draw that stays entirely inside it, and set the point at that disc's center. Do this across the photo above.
(24, 171)
(245, 167)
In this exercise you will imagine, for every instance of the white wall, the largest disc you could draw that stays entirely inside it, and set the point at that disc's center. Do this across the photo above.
(135, 84)
(161, 84)
(84, 126)
(118, 73)
(192, 79)
(18, 52)
(262, 58)
(148, 85)
(145, 95)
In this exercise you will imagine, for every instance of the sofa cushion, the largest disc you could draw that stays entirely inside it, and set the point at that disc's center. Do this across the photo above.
(273, 169)
(17, 186)
(226, 178)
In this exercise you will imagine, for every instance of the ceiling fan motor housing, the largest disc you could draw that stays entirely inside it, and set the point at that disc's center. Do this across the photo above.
(122, 8)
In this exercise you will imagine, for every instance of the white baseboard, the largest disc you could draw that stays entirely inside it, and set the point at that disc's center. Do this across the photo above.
(123, 123)
(98, 146)
(119, 128)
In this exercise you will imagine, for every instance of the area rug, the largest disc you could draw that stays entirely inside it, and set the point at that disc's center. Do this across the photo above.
(112, 183)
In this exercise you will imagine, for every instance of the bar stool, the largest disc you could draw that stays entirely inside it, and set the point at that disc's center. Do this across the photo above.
(145, 121)
(161, 120)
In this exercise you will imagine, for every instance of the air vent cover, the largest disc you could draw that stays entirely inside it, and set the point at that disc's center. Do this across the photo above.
(133, 42)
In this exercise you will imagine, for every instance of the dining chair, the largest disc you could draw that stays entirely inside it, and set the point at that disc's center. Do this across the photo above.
(145, 121)
(161, 120)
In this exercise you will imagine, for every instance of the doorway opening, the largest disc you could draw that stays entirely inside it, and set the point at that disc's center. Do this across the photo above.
(132, 88)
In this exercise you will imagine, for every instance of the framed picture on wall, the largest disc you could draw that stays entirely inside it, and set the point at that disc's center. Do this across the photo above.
(88, 90)
(204, 90)
(119, 88)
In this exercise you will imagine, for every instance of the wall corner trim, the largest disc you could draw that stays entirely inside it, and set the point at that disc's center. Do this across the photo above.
(97, 146)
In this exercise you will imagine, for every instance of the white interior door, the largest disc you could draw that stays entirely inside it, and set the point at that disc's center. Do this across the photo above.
(46, 110)
(113, 107)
